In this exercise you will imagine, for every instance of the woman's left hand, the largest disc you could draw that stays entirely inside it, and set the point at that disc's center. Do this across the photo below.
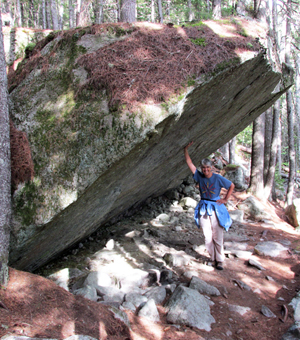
(221, 201)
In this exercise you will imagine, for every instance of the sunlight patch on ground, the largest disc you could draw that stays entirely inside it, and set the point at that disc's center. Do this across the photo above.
(151, 25)
(223, 31)
(245, 55)
(150, 328)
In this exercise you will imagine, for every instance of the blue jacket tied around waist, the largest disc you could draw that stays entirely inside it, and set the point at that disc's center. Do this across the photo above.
(208, 207)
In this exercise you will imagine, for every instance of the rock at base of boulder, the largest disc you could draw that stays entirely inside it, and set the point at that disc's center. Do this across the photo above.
(188, 307)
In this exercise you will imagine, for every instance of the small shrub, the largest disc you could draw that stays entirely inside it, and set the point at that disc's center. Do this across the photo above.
(28, 49)
(199, 41)
(243, 33)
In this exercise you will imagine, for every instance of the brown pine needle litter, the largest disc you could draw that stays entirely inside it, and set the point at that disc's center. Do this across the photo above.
(149, 65)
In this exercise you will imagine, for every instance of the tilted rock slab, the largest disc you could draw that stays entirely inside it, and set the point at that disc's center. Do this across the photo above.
(91, 164)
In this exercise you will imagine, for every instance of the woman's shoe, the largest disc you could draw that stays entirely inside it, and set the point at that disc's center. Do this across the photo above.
(219, 266)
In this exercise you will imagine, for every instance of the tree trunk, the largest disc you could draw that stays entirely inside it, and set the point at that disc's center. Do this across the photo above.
(257, 159)
(30, 14)
(268, 140)
(44, 23)
(168, 10)
(99, 12)
(232, 151)
(54, 15)
(290, 118)
(61, 14)
(78, 13)
(207, 5)
(128, 11)
(18, 14)
(5, 171)
(275, 35)
(290, 115)
(297, 105)
(270, 175)
(225, 151)
(160, 12)
(217, 9)
(191, 13)
(71, 14)
(48, 14)
(152, 11)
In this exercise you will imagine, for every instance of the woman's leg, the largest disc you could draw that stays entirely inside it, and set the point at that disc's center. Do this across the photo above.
(205, 223)
(217, 238)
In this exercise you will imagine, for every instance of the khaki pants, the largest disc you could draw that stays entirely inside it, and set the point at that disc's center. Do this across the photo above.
(213, 234)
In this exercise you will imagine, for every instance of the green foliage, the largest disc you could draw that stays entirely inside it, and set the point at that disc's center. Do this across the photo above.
(243, 32)
(240, 30)
(245, 137)
(228, 11)
(249, 45)
(28, 49)
(195, 24)
(224, 65)
(199, 41)
(279, 181)
(191, 81)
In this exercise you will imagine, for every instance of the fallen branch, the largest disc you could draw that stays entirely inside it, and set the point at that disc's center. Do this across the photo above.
(284, 313)
(2, 305)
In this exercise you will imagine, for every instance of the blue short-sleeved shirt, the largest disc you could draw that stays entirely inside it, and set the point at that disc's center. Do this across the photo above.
(210, 189)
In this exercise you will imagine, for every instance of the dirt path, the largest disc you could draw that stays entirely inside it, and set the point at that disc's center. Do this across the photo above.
(36, 307)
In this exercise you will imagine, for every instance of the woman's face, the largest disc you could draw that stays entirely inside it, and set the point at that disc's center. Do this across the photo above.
(206, 170)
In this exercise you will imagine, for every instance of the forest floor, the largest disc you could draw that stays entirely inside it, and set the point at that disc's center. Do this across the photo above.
(36, 307)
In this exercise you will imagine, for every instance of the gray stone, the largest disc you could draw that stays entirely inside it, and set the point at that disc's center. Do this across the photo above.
(149, 311)
(242, 254)
(203, 288)
(238, 309)
(133, 278)
(237, 215)
(293, 332)
(136, 299)
(269, 248)
(188, 307)
(119, 314)
(98, 279)
(158, 294)
(256, 264)
(64, 277)
(188, 202)
(293, 213)
(87, 292)
(111, 294)
(164, 218)
(189, 274)
(295, 303)
(75, 193)
(127, 305)
(267, 312)
(176, 260)
(237, 176)
(253, 207)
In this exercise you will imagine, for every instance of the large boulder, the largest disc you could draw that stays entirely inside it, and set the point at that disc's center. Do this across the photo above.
(293, 213)
(93, 159)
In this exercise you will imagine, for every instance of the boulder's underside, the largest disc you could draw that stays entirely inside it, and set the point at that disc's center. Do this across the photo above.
(210, 115)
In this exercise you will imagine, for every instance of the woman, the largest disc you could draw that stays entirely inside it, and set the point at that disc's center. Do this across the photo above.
(211, 213)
